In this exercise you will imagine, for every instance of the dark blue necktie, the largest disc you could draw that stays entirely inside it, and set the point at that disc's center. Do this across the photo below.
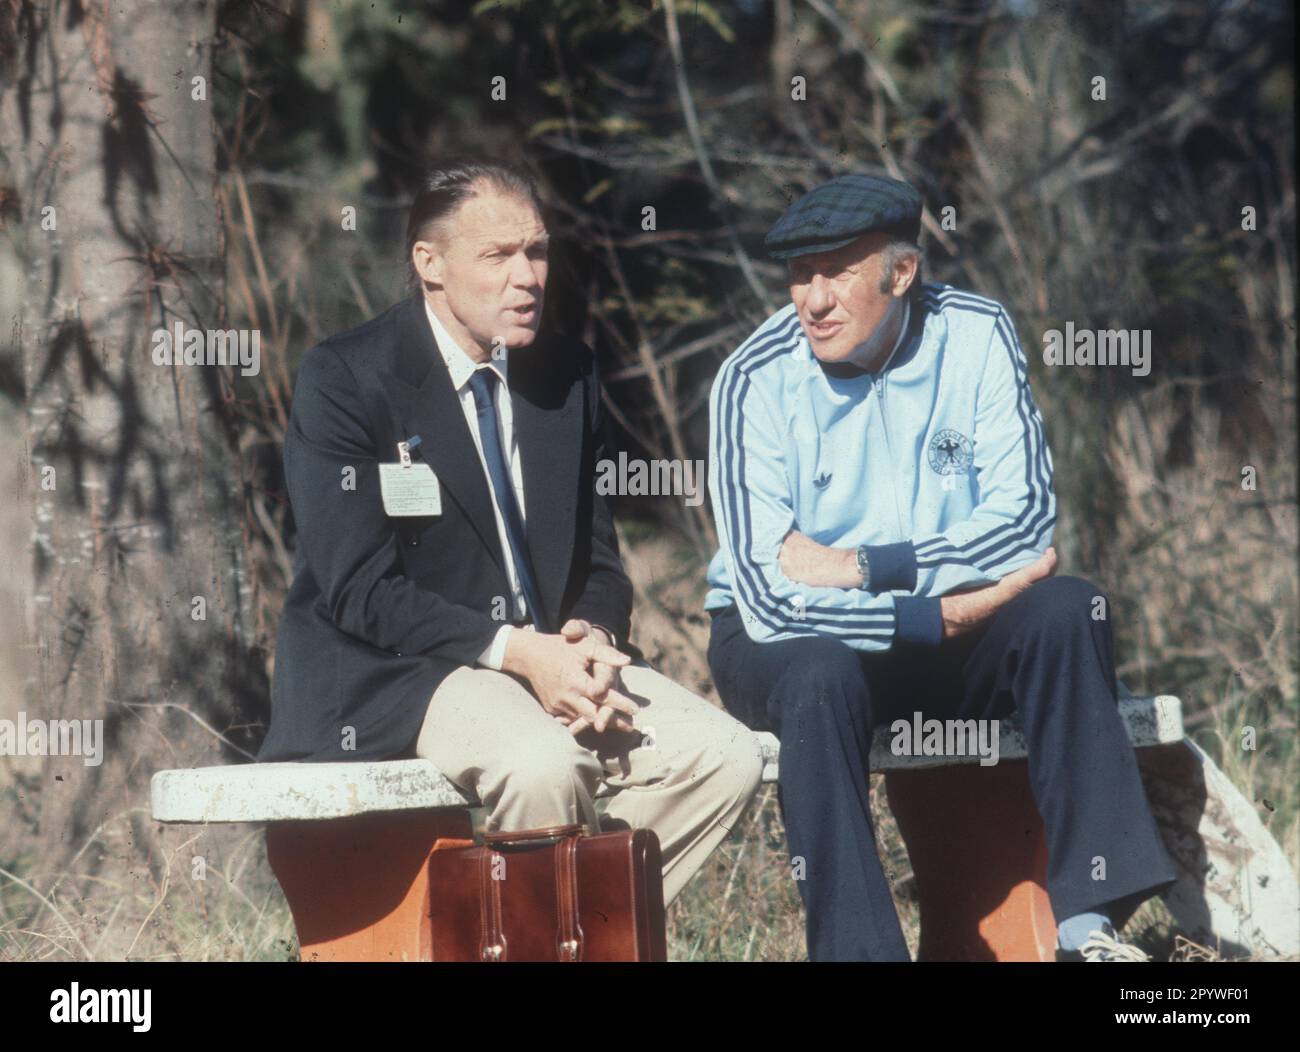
(483, 383)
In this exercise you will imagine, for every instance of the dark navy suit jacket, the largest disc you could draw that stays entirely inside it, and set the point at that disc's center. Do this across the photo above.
(382, 609)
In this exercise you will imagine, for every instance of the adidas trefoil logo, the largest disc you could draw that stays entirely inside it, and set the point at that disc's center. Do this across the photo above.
(823, 480)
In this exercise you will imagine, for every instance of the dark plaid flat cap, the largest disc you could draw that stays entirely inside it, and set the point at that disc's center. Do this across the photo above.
(833, 214)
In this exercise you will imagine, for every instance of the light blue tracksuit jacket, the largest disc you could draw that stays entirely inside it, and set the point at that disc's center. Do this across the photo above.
(938, 463)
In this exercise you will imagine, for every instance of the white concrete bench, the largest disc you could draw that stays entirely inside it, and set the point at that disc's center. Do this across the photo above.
(281, 792)
(329, 823)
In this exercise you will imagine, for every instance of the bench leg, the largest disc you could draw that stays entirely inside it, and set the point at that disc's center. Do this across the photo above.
(979, 855)
(358, 887)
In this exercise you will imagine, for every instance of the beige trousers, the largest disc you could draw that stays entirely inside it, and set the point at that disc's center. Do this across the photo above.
(688, 780)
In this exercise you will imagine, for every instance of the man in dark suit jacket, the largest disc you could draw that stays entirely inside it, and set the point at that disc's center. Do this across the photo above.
(458, 592)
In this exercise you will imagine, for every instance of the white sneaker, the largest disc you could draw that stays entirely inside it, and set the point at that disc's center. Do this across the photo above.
(1103, 944)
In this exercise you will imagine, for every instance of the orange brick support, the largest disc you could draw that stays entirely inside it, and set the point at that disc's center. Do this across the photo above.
(358, 887)
(977, 848)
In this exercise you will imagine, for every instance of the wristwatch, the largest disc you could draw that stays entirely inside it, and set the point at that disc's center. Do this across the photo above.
(612, 641)
(864, 566)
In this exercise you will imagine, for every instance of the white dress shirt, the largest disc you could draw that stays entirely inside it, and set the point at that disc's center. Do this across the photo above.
(461, 366)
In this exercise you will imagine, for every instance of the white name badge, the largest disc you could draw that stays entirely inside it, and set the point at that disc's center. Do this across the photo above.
(409, 491)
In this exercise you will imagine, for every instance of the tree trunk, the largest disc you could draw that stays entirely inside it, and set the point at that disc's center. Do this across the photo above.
(113, 213)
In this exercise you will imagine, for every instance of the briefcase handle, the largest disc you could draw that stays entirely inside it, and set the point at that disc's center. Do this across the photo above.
(545, 833)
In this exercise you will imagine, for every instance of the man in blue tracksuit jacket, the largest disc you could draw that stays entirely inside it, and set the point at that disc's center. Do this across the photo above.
(882, 488)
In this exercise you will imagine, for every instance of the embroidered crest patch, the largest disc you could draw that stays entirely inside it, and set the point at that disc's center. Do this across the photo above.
(951, 452)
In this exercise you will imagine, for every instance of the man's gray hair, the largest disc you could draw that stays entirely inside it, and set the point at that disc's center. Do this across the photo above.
(893, 253)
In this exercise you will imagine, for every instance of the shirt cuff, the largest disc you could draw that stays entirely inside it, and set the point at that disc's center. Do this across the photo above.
(892, 566)
(494, 654)
(918, 619)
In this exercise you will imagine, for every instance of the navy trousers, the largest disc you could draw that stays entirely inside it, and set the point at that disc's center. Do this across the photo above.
(1043, 657)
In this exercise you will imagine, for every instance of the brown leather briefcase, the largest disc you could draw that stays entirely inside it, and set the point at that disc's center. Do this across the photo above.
(554, 894)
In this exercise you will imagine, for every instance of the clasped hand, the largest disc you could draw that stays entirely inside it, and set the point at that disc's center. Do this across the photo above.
(574, 675)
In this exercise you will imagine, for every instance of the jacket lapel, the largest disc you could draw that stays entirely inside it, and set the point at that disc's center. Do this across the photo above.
(548, 414)
(428, 406)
